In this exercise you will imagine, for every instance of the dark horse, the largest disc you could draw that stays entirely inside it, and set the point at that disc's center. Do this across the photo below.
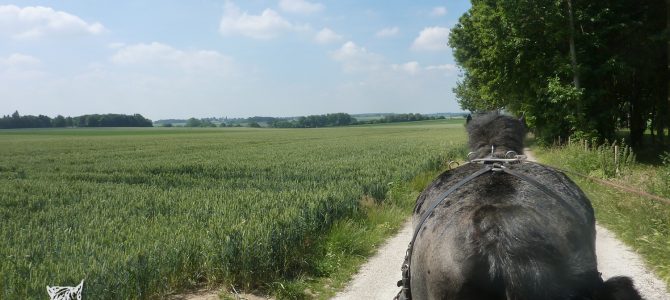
(499, 236)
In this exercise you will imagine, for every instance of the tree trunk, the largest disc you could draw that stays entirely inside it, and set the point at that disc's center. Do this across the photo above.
(573, 54)
(636, 124)
(664, 110)
(660, 119)
(654, 122)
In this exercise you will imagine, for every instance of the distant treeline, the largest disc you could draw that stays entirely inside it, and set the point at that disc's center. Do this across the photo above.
(314, 121)
(311, 121)
(343, 119)
(95, 120)
(407, 118)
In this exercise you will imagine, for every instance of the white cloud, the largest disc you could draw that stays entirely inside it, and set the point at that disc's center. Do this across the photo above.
(18, 60)
(20, 67)
(327, 36)
(438, 11)
(116, 45)
(300, 6)
(157, 54)
(444, 67)
(412, 67)
(267, 25)
(387, 32)
(432, 39)
(355, 58)
(33, 22)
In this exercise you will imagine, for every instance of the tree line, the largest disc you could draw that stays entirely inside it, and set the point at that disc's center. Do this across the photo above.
(407, 118)
(95, 120)
(343, 119)
(574, 68)
(119, 120)
(314, 121)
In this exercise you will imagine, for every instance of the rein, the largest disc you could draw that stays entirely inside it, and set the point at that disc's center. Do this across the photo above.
(490, 165)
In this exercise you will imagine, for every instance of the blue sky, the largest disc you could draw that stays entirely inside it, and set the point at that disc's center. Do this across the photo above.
(178, 59)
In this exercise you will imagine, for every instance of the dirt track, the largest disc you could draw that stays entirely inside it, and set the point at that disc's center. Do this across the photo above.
(377, 278)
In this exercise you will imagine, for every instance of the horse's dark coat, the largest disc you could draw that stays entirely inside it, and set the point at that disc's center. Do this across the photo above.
(500, 237)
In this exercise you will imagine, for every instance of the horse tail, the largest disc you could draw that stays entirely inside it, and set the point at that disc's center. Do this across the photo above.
(617, 288)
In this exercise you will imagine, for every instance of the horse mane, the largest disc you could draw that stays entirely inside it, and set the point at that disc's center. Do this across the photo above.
(504, 132)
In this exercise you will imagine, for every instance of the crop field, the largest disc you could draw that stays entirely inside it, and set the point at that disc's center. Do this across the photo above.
(140, 213)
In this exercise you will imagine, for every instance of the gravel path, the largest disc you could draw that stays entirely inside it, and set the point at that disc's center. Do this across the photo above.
(377, 278)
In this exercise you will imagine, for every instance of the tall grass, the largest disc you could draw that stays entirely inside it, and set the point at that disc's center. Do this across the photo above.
(608, 160)
(660, 184)
(141, 214)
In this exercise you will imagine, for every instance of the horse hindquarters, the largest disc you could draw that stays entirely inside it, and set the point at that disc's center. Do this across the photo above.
(536, 254)
(503, 251)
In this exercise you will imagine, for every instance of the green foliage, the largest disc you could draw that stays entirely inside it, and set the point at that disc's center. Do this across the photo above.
(515, 55)
(193, 122)
(142, 213)
(18, 121)
(314, 121)
(41, 121)
(405, 118)
(58, 121)
(112, 120)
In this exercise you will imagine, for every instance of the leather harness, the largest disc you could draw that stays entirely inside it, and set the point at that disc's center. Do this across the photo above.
(490, 165)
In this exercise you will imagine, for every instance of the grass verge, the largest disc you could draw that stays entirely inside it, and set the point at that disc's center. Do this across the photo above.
(641, 223)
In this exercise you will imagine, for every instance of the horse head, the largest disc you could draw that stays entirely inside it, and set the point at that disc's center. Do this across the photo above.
(494, 134)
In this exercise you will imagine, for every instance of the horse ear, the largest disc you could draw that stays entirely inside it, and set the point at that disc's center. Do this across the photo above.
(522, 119)
(468, 119)
(50, 291)
(80, 286)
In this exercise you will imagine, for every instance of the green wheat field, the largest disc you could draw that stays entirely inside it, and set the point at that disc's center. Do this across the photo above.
(138, 213)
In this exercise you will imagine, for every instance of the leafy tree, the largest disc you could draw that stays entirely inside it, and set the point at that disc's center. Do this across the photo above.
(193, 122)
(27, 121)
(58, 121)
(573, 67)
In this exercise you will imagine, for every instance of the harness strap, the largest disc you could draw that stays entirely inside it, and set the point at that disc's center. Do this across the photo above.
(406, 290)
(444, 196)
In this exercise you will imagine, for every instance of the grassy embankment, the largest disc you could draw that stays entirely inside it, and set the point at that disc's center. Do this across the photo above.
(642, 223)
(142, 213)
